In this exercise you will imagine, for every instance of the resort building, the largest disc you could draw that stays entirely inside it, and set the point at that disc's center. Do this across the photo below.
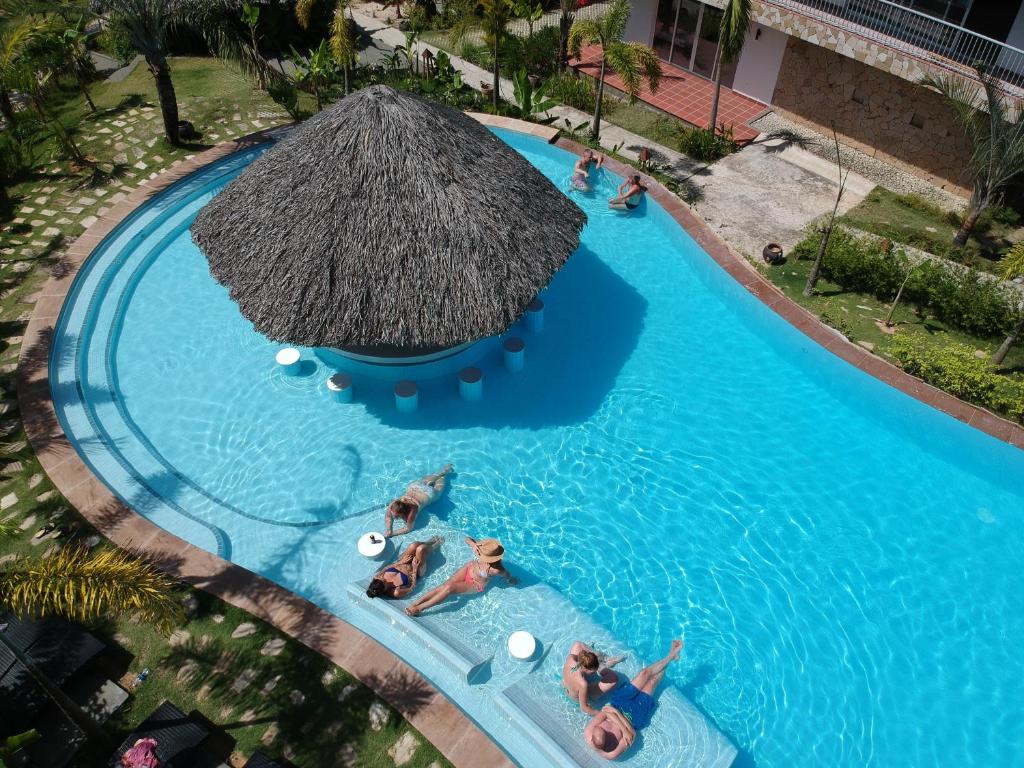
(856, 64)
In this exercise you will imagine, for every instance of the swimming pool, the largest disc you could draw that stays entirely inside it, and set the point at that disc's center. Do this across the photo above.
(674, 458)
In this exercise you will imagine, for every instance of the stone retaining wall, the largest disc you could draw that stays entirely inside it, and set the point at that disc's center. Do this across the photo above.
(880, 114)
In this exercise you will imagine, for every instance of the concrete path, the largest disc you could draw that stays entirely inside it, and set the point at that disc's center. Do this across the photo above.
(126, 70)
(767, 192)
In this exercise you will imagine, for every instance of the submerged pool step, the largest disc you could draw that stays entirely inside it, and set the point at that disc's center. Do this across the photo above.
(449, 649)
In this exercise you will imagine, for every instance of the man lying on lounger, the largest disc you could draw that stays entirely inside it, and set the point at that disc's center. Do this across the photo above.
(613, 730)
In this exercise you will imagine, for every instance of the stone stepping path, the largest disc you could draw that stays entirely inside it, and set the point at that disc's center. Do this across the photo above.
(243, 630)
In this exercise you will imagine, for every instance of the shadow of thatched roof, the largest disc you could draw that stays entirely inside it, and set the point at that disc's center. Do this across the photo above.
(387, 221)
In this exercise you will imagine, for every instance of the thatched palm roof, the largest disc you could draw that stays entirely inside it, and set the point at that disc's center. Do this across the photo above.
(388, 224)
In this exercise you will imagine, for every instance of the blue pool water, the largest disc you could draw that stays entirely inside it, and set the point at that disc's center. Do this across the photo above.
(843, 561)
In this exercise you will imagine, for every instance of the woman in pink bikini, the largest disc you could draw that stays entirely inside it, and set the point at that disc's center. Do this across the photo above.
(472, 577)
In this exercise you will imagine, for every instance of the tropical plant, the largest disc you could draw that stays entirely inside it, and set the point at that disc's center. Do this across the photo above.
(251, 19)
(493, 19)
(150, 23)
(14, 42)
(566, 18)
(74, 46)
(446, 78)
(81, 586)
(706, 146)
(1011, 266)
(315, 73)
(634, 63)
(732, 33)
(528, 11)
(812, 276)
(997, 144)
(343, 41)
(531, 102)
(408, 51)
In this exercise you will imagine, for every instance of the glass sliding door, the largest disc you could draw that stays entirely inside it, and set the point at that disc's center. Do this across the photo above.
(675, 31)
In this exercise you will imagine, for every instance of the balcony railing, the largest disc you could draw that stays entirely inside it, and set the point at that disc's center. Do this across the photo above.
(917, 34)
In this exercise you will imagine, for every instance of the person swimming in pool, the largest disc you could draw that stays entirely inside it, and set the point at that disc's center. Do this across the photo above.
(584, 677)
(631, 191)
(399, 579)
(471, 577)
(417, 495)
(613, 730)
(581, 171)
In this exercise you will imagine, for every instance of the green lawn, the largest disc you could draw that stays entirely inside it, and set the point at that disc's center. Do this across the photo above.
(857, 315)
(328, 716)
(909, 220)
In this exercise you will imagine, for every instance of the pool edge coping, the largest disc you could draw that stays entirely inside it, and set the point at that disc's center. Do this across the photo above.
(426, 708)
(744, 273)
(440, 721)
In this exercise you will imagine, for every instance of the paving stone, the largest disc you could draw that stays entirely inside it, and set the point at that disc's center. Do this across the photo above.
(288, 751)
(44, 497)
(53, 549)
(88, 221)
(179, 637)
(296, 697)
(75, 209)
(225, 712)
(378, 715)
(204, 642)
(14, 468)
(48, 213)
(224, 662)
(92, 541)
(243, 630)
(218, 618)
(248, 716)
(243, 681)
(273, 647)
(347, 691)
(349, 756)
(9, 501)
(141, 165)
(270, 734)
(15, 447)
(270, 685)
(187, 671)
(403, 750)
(4, 559)
(328, 677)
(190, 603)
(204, 692)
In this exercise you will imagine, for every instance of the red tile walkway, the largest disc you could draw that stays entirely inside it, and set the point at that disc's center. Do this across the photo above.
(686, 96)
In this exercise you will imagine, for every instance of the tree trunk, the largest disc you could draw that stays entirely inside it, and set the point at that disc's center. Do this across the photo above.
(344, 74)
(713, 122)
(168, 101)
(595, 129)
(6, 108)
(896, 301)
(85, 92)
(564, 25)
(812, 278)
(968, 226)
(1010, 340)
(64, 703)
(497, 75)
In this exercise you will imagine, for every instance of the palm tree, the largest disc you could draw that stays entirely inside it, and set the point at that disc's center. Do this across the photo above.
(343, 40)
(150, 22)
(997, 145)
(13, 44)
(1011, 266)
(74, 42)
(78, 585)
(567, 7)
(494, 18)
(632, 62)
(732, 33)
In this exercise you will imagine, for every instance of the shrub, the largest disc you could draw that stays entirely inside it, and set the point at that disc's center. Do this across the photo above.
(535, 54)
(705, 146)
(477, 53)
(573, 91)
(960, 297)
(116, 41)
(953, 367)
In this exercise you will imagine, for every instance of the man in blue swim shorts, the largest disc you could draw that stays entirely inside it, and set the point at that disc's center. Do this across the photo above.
(613, 730)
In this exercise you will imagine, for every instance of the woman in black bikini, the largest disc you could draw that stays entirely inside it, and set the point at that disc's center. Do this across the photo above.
(399, 578)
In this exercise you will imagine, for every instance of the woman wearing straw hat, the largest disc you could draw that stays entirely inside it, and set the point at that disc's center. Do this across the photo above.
(472, 577)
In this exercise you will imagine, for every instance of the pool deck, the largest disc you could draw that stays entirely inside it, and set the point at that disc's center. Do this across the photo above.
(440, 721)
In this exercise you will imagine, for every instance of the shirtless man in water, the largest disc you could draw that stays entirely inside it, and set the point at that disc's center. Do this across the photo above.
(417, 495)
(613, 730)
(585, 678)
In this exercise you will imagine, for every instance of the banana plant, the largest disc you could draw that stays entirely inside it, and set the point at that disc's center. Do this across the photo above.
(316, 72)
(529, 12)
(530, 101)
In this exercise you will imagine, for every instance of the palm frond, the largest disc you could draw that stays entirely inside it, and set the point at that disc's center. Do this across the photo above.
(304, 12)
(342, 41)
(583, 32)
(81, 586)
(613, 23)
(8, 529)
(733, 28)
(1012, 264)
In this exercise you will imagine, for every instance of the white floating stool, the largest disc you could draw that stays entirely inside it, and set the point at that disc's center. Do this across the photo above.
(471, 383)
(535, 316)
(340, 387)
(514, 354)
(372, 544)
(407, 396)
(288, 359)
(521, 645)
